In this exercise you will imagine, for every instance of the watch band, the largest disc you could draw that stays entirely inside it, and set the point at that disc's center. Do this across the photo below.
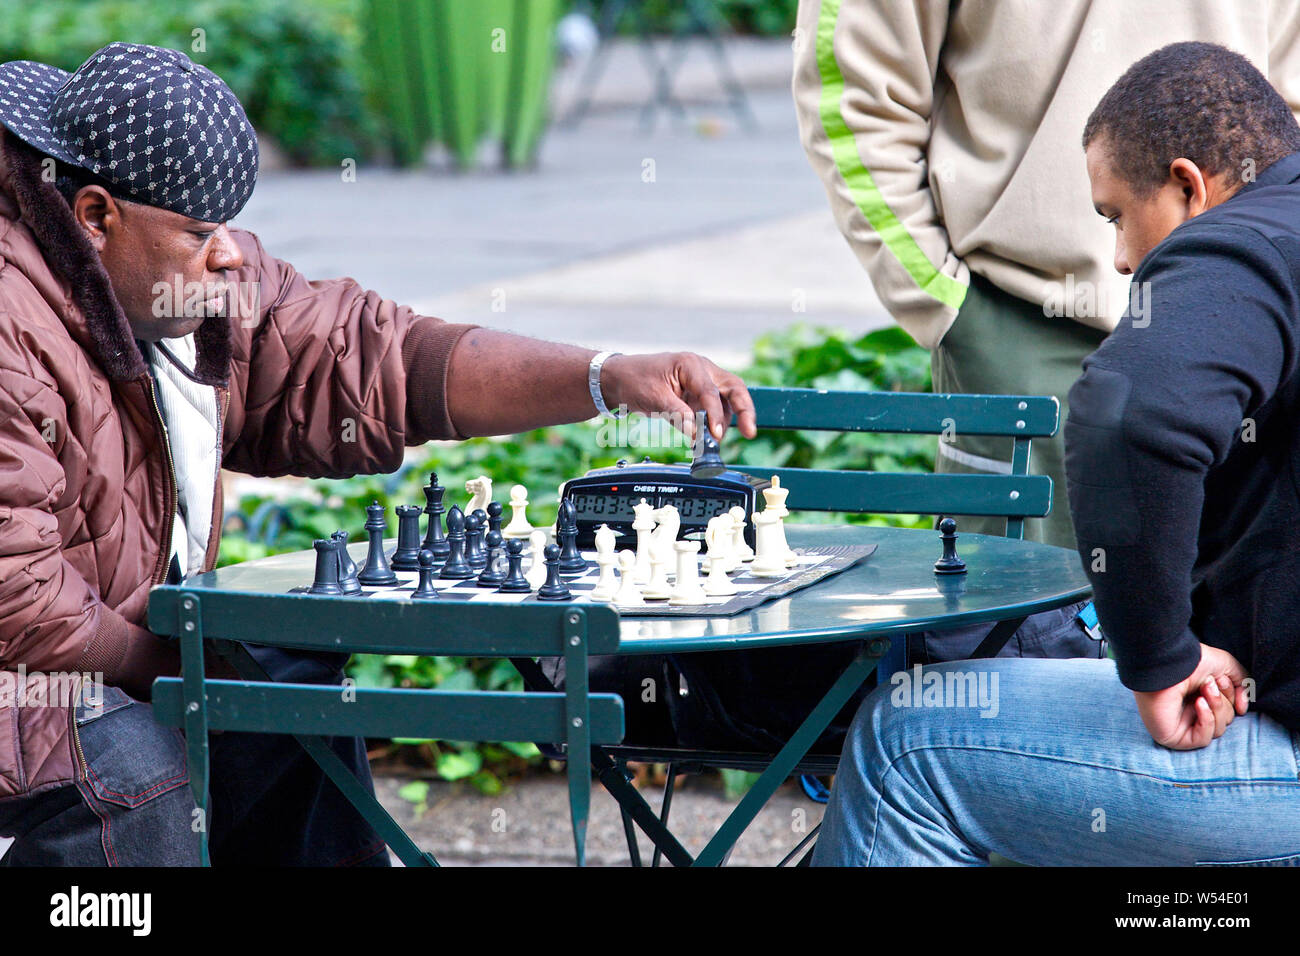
(593, 383)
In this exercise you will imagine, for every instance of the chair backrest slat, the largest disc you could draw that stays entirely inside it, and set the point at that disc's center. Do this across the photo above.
(1015, 495)
(373, 712)
(395, 627)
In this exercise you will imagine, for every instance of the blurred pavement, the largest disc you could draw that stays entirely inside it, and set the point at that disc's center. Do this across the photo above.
(696, 234)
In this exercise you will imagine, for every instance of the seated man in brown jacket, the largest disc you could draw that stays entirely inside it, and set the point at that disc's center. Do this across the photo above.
(144, 345)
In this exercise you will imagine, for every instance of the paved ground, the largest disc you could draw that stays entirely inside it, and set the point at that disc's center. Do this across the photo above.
(698, 234)
(528, 824)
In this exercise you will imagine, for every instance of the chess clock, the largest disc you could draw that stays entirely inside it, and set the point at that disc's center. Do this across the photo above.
(608, 495)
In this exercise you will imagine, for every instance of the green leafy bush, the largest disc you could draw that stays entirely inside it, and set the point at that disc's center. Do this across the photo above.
(292, 63)
(542, 460)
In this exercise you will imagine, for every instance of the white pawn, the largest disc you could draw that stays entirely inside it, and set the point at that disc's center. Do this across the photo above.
(644, 526)
(687, 590)
(717, 584)
(658, 589)
(481, 490)
(518, 526)
(607, 586)
(536, 575)
(769, 562)
(738, 543)
(628, 595)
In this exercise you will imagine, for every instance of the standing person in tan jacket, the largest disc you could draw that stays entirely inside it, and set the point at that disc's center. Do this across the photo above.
(944, 132)
(144, 344)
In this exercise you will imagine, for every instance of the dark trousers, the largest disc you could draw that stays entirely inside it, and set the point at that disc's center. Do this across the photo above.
(131, 804)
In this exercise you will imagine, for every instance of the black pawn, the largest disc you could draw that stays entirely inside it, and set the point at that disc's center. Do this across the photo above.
(475, 532)
(347, 567)
(554, 589)
(327, 567)
(515, 582)
(425, 590)
(707, 461)
(494, 510)
(492, 574)
(566, 530)
(434, 539)
(949, 563)
(407, 555)
(376, 572)
(455, 568)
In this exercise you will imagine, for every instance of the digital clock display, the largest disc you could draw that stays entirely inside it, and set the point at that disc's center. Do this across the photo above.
(615, 507)
(606, 507)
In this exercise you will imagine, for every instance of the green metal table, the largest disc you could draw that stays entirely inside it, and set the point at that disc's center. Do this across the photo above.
(893, 592)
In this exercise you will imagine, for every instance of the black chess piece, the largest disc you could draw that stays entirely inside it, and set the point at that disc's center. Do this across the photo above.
(492, 574)
(554, 589)
(455, 568)
(949, 563)
(406, 557)
(347, 567)
(327, 567)
(566, 532)
(376, 572)
(494, 510)
(434, 538)
(475, 532)
(707, 458)
(425, 591)
(515, 582)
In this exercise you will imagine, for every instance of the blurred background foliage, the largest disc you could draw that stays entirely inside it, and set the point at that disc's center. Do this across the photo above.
(296, 65)
(801, 356)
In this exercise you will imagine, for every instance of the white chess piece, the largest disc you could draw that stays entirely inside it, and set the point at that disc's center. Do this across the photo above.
(606, 542)
(480, 489)
(769, 562)
(717, 584)
(658, 589)
(687, 590)
(518, 526)
(628, 595)
(536, 575)
(644, 526)
(665, 538)
(742, 549)
(607, 585)
(775, 502)
(717, 536)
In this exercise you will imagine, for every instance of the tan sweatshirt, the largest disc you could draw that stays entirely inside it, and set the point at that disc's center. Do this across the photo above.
(947, 135)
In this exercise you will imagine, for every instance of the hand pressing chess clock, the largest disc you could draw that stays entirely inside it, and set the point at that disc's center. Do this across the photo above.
(499, 383)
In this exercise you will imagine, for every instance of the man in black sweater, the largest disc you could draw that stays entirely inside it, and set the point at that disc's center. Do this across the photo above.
(1183, 473)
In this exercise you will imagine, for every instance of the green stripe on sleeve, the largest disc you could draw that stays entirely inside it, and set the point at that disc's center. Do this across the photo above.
(862, 187)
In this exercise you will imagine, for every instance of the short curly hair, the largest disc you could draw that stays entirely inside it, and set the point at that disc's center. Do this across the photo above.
(1200, 101)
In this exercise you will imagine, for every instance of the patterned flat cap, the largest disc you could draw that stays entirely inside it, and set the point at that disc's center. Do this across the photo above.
(162, 129)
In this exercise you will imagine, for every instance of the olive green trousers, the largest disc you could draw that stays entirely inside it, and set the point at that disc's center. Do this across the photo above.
(1002, 345)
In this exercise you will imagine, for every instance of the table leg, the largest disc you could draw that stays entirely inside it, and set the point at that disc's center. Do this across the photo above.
(784, 763)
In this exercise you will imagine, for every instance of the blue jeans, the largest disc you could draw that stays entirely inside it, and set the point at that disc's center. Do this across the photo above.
(132, 806)
(1061, 771)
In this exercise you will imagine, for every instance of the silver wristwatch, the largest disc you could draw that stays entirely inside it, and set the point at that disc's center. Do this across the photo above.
(593, 384)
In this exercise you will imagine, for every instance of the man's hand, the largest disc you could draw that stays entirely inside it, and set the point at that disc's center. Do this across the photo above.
(678, 384)
(1190, 714)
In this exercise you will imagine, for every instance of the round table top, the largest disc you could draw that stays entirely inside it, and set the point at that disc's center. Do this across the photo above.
(893, 591)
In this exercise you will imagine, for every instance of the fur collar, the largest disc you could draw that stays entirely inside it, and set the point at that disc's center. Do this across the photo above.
(69, 252)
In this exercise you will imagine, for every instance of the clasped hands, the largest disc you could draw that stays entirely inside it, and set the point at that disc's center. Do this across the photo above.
(1195, 711)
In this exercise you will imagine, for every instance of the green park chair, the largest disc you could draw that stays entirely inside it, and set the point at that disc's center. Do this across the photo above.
(311, 712)
(1015, 496)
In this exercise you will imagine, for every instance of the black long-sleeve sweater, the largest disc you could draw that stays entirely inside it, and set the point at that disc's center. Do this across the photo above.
(1183, 451)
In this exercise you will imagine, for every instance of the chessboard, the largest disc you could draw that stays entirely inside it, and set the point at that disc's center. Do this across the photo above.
(810, 566)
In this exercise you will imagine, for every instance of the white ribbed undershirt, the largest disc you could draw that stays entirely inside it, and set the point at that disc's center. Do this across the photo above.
(190, 411)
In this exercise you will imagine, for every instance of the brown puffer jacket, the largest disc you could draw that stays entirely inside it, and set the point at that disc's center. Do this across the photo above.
(87, 491)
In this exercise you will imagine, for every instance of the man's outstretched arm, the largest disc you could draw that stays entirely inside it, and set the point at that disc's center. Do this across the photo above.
(499, 383)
